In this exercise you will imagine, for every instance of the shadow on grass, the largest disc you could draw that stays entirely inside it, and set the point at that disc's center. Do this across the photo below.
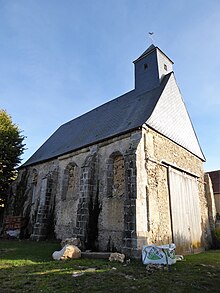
(102, 276)
(26, 249)
(84, 275)
(28, 267)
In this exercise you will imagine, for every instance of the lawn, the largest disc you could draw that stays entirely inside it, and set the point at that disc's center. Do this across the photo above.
(27, 266)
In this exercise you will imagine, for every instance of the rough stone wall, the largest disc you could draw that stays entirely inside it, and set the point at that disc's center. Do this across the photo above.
(113, 195)
(90, 193)
(117, 217)
(67, 197)
(153, 213)
(152, 187)
(105, 214)
(115, 201)
(39, 199)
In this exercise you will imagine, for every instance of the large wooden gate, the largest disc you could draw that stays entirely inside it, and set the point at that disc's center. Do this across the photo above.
(185, 211)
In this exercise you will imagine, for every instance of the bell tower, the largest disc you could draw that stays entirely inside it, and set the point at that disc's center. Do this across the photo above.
(150, 68)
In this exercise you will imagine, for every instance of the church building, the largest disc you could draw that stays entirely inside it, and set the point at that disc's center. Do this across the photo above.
(126, 174)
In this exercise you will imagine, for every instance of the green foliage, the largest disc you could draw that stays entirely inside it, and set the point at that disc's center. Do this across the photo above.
(11, 148)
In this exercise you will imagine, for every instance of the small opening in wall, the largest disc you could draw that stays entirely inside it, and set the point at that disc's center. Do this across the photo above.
(145, 66)
(165, 67)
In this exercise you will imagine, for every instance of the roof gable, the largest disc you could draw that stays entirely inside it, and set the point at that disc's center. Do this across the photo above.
(149, 50)
(171, 119)
(146, 52)
(155, 101)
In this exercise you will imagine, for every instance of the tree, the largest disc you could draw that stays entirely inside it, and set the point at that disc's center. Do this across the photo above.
(11, 149)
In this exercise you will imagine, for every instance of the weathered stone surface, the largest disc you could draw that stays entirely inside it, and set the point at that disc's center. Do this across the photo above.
(68, 251)
(114, 196)
(155, 153)
(115, 256)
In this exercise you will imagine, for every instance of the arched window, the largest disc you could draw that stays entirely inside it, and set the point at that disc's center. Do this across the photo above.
(70, 180)
(116, 175)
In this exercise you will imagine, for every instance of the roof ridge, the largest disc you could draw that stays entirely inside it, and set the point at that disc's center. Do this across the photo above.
(146, 52)
(108, 120)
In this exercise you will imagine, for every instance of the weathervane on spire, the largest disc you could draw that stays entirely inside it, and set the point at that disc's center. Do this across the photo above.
(150, 34)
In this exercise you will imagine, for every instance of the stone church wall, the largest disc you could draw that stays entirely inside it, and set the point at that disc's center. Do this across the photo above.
(113, 195)
(39, 190)
(154, 154)
(89, 193)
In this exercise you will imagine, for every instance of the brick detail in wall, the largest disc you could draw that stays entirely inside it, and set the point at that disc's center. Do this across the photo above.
(130, 237)
(41, 226)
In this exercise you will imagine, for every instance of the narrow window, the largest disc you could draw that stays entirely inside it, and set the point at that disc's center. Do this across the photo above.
(145, 66)
(165, 67)
(69, 181)
(118, 176)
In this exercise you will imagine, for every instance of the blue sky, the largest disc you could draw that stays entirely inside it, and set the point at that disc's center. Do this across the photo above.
(61, 58)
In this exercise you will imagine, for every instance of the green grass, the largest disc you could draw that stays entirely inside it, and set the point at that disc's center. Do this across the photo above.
(28, 267)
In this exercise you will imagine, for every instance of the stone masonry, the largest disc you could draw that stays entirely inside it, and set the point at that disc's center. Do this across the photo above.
(114, 195)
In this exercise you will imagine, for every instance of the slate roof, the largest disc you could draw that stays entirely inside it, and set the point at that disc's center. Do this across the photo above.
(170, 118)
(125, 113)
(161, 108)
(148, 51)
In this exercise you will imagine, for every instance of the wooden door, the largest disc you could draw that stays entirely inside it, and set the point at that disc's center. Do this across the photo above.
(185, 211)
